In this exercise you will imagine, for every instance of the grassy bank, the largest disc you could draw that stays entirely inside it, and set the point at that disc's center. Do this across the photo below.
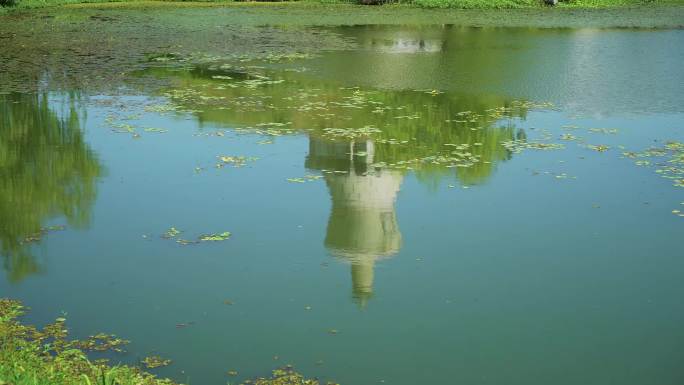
(455, 4)
(29, 355)
(33, 356)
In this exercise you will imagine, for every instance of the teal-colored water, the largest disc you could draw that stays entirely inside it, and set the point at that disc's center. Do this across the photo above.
(429, 205)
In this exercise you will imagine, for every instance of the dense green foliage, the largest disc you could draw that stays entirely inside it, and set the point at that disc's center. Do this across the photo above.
(476, 3)
(47, 3)
(29, 355)
(463, 4)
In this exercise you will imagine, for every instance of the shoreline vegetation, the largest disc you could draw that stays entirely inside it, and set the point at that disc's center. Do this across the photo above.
(8, 5)
(33, 356)
(581, 14)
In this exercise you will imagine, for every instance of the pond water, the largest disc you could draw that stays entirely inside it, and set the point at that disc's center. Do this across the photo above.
(413, 204)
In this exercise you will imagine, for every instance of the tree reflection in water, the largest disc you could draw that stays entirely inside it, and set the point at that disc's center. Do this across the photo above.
(47, 171)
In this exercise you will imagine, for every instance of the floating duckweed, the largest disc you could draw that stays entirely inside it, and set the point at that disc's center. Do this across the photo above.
(305, 178)
(10, 309)
(285, 376)
(669, 161)
(161, 108)
(152, 362)
(568, 137)
(215, 237)
(102, 342)
(267, 129)
(518, 145)
(604, 130)
(350, 133)
(235, 161)
(152, 129)
(598, 148)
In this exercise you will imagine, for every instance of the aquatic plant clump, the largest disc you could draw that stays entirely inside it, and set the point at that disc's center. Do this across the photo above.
(215, 237)
(305, 178)
(517, 146)
(153, 362)
(235, 161)
(350, 133)
(102, 342)
(285, 376)
(669, 163)
(173, 233)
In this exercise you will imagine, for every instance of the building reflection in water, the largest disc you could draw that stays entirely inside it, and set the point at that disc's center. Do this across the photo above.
(362, 227)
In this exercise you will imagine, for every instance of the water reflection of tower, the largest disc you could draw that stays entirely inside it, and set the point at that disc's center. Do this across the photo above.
(362, 227)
